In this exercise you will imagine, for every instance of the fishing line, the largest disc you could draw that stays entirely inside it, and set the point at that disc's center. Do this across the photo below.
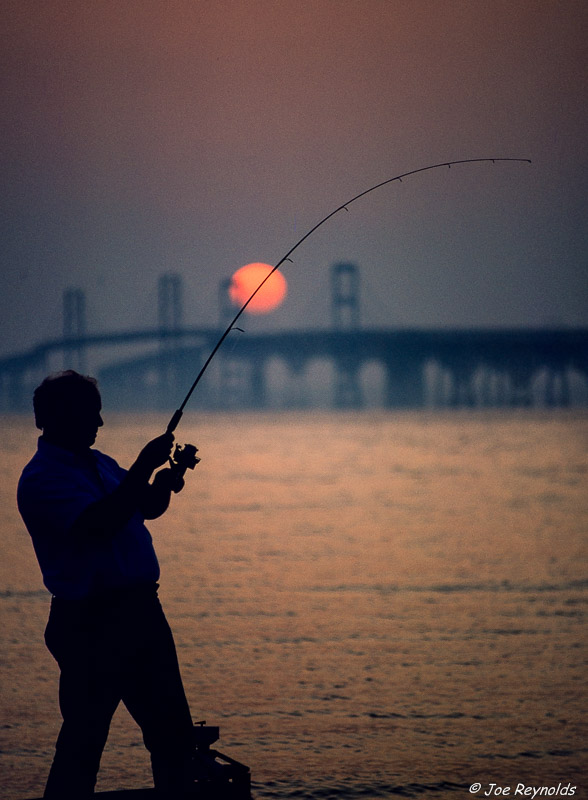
(177, 415)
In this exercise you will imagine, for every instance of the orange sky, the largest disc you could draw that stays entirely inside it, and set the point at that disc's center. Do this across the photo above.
(192, 136)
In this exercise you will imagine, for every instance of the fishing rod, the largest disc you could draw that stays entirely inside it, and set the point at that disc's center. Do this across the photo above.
(177, 415)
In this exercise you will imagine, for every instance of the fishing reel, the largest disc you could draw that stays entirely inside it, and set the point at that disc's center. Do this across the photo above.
(183, 458)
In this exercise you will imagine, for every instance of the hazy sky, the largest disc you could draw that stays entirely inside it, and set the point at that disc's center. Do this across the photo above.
(194, 136)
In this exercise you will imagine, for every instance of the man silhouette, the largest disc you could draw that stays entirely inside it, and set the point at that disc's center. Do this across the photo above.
(106, 627)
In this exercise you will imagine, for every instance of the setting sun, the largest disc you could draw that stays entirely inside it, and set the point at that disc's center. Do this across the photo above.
(246, 280)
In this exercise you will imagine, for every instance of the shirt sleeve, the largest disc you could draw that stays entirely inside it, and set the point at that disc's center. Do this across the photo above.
(50, 501)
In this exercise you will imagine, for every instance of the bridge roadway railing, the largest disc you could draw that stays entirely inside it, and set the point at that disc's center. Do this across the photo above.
(470, 367)
(20, 373)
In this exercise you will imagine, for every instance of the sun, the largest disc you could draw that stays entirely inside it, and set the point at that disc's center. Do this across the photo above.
(246, 280)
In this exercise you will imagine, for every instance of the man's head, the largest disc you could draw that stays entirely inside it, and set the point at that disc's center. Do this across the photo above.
(67, 409)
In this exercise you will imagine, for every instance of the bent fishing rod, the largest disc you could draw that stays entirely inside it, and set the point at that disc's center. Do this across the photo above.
(177, 415)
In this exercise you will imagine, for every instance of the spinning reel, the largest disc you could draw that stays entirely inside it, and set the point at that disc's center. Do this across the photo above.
(184, 457)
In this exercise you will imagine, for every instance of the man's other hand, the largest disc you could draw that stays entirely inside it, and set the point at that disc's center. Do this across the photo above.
(156, 452)
(169, 480)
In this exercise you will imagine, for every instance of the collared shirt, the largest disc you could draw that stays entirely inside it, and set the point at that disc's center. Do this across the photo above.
(54, 488)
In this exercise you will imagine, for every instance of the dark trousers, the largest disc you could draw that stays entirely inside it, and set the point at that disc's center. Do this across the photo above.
(113, 648)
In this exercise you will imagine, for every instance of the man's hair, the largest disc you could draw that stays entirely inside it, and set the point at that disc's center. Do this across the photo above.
(60, 394)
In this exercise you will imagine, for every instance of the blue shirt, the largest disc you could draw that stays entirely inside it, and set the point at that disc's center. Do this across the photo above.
(53, 490)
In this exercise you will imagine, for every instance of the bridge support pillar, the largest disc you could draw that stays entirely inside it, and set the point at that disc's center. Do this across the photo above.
(233, 383)
(404, 384)
(462, 389)
(348, 392)
(485, 386)
(296, 395)
(258, 387)
(521, 390)
(557, 388)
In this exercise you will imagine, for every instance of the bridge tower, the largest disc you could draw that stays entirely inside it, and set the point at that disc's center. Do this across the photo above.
(345, 315)
(169, 303)
(345, 296)
(226, 309)
(169, 312)
(240, 382)
(74, 328)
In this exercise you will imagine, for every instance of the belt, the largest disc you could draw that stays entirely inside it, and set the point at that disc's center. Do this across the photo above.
(116, 596)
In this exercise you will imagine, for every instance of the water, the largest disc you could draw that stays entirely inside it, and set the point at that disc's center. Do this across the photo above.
(368, 605)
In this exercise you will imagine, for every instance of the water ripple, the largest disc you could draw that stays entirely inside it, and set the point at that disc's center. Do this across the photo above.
(349, 791)
(502, 586)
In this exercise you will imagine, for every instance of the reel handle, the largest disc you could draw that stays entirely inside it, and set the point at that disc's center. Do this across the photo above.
(183, 458)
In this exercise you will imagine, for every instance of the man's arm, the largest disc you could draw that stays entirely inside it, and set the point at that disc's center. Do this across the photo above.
(107, 516)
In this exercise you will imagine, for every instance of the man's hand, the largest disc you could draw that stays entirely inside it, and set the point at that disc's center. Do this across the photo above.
(155, 499)
(156, 452)
(168, 479)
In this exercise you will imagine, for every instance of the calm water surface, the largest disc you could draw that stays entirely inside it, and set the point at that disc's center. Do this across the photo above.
(368, 605)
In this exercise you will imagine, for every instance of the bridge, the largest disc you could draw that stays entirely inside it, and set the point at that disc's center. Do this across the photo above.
(345, 366)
